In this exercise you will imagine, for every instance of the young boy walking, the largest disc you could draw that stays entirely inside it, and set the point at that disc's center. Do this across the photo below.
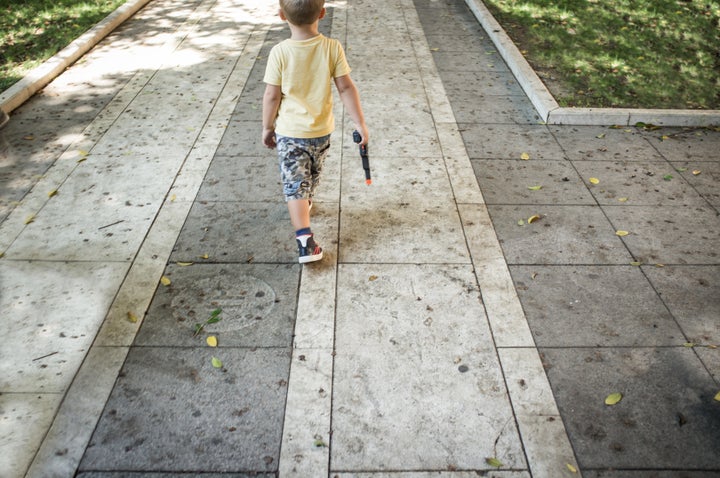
(297, 110)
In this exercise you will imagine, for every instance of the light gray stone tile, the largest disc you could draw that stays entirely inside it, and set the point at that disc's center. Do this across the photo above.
(547, 446)
(231, 416)
(413, 359)
(568, 234)
(505, 314)
(24, 419)
(623, 306)
(56, 310)
(669, 234)
(75, 421)
(436, 474)
(509, 182)
(410, 231)
(306, 432)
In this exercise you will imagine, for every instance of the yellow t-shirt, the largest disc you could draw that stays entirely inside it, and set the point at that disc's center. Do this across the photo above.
(305, 70)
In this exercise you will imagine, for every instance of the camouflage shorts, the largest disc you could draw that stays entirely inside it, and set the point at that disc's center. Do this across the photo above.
(301, 162)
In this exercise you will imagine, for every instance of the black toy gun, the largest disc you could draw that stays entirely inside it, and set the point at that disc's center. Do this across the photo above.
(364, 155)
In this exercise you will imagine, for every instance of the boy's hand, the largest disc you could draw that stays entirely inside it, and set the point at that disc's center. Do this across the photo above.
(269, 138)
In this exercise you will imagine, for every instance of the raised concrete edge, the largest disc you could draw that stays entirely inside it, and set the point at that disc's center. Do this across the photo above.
(39, 77)
(551, 112)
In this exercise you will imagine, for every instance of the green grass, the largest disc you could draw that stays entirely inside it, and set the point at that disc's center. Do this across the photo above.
(620, 53)
(31, 31)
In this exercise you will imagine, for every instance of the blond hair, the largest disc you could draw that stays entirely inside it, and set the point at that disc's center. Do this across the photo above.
(302, 12)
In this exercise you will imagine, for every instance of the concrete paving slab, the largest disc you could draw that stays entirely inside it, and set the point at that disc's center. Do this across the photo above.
(505, 109)
(509, 182)
(685, 144)
(635, 183)
(75, 421)
(510, 142)
(605, 143)
(230, 416)
(127, 474)
(226, 232)
(435, 474)
(692, 294)
(258, 303)
(666, 419)
(465, 85)
(397, 226)
(569, 235)
(24, 419)
(648, 474)
(669, 235)
(307, 426)
(232, 178)
(440, 353)
(55, 309)
(593, 306)
(703, 177)
(476, 59)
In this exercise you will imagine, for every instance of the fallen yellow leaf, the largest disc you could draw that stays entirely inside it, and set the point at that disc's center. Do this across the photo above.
(173, 198)
(30, 219)
(216, 362)
(165, 281)
(372, 278)
(696, 172)
(52, 193)
(636, 263)
(205, 256)
(613, 398)
(623, 199)
(533, 218)
(132, 317)
(594, 181)
(524, 156)
(212, 341)
(717, 397)
(621, 233)
(493, 462)
(184, 264)
(534, 188)
(571, 468)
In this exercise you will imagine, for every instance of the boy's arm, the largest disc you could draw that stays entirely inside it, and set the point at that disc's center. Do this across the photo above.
(271, 104)
(351, 99)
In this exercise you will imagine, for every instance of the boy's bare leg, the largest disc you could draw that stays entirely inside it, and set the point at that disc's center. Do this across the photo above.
(299, 213)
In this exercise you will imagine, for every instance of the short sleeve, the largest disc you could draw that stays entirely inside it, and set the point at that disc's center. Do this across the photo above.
(273, 73)
(341, 67)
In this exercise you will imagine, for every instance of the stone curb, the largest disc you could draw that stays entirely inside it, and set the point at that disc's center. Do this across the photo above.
(552, 113)
(39, 77)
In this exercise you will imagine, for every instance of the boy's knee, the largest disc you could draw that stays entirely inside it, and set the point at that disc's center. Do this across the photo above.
(300, 189)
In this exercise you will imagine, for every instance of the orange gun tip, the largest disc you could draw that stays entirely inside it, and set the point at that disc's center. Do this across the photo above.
(368, 182)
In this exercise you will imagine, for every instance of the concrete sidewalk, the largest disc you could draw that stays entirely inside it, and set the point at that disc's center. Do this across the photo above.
(441, 332)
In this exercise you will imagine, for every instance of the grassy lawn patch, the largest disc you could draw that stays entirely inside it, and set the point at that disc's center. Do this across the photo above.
(620, 53)
(31, 31)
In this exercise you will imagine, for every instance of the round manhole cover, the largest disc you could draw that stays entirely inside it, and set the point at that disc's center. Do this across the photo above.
(244, 301)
